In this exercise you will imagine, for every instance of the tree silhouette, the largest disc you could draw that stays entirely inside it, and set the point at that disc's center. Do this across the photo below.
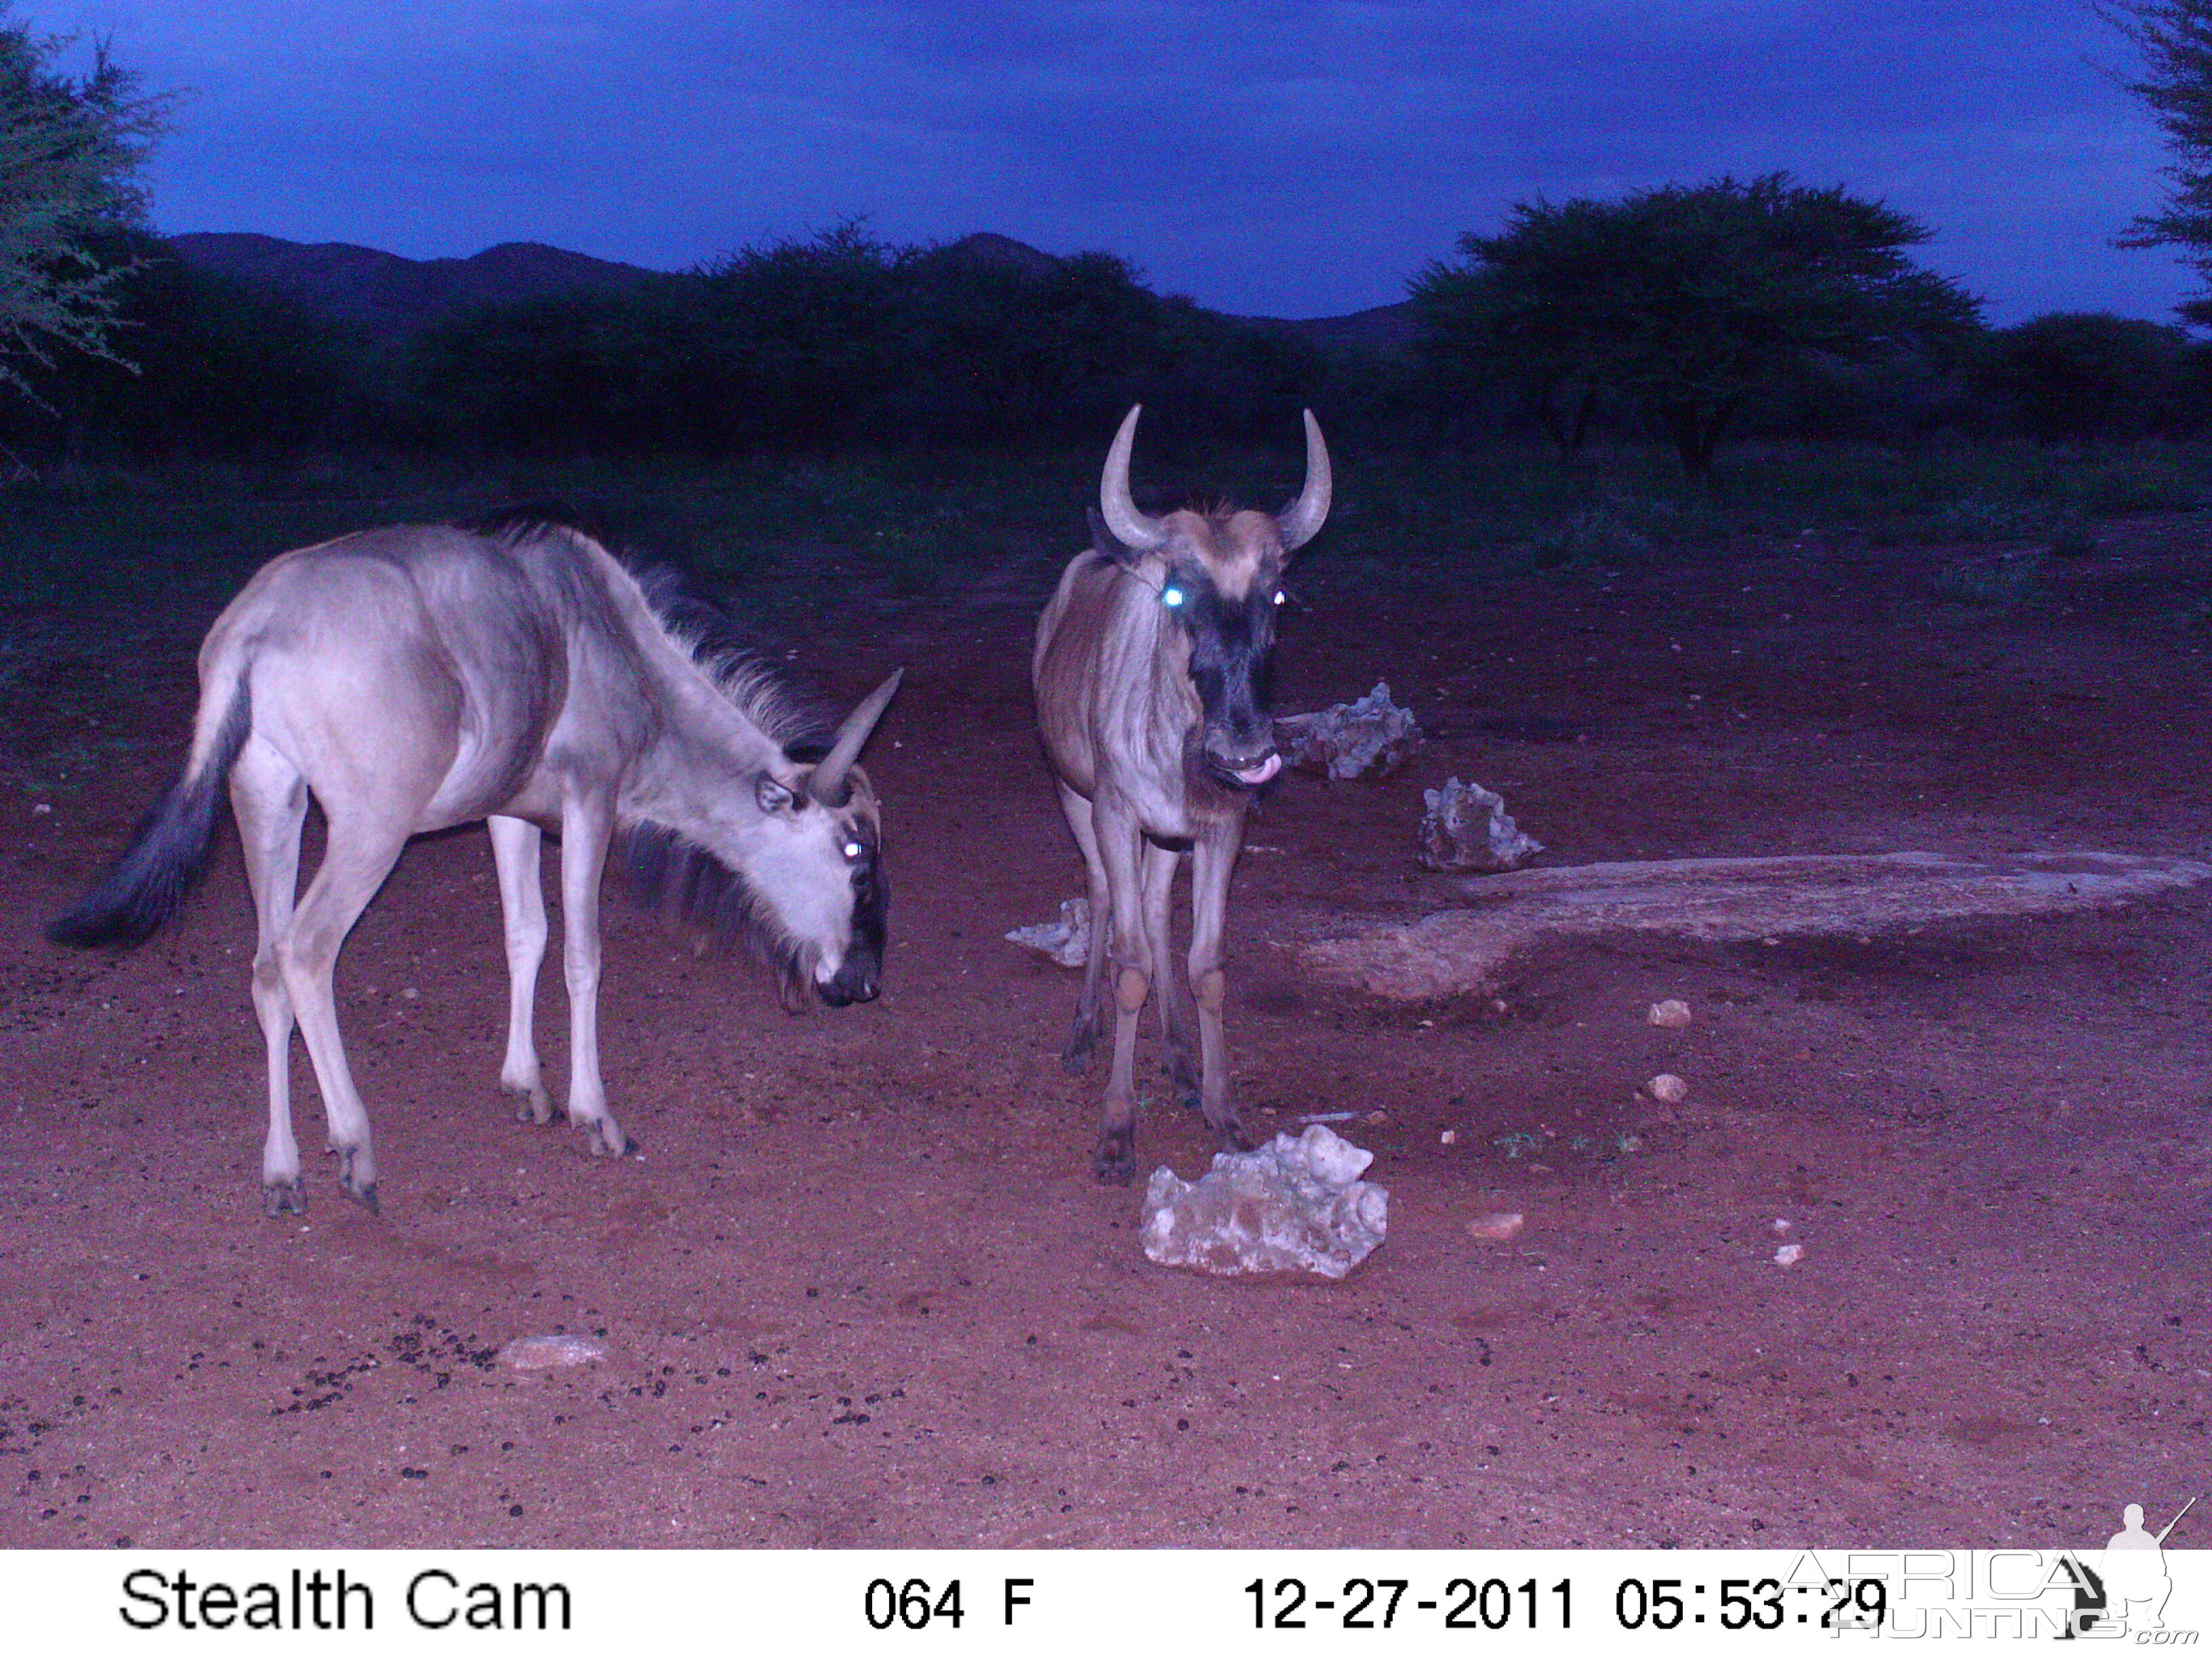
(72, 149)
(1684, 300)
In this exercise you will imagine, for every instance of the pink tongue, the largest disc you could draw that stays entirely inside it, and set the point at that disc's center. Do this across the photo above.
(1260, 774)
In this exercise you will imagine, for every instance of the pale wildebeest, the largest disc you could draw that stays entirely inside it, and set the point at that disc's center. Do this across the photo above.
(1151, 672)
(423, 676)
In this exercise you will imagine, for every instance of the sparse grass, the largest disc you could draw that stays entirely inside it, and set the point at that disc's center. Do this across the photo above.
(2003, 582)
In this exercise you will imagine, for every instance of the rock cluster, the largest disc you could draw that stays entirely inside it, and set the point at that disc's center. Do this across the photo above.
(1466, 827)
(1370, 734)
(1296, 1206)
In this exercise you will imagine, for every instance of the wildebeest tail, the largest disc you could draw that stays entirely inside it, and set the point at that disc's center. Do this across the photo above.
(167, 851)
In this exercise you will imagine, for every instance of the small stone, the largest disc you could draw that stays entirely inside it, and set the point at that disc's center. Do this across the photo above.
(1448, 1137)
(537, 1354)
(1674, 1014)
(1066, 941)
(1781, 1223)
(1498, 1226)
(1788, 1255)
(1669, 1088)
(41, 806)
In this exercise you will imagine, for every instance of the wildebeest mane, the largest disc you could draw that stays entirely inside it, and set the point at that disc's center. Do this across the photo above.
(728, 652)
(698, 895)
(694, 615)
(675, 878)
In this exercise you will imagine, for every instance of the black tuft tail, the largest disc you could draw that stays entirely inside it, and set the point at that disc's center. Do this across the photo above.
(167, 854)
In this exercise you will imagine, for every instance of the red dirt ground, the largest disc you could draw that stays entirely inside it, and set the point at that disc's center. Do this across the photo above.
(862, 1291)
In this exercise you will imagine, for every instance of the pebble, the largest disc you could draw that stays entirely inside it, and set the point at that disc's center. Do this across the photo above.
(1498, 1226)
(537, 1354)
(1674, 1014)
(1669, 1088)
(1788, 1255)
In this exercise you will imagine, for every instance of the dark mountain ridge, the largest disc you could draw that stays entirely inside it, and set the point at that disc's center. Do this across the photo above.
(388, 293)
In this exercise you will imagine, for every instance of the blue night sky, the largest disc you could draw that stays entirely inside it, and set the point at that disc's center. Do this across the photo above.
(1299, 158)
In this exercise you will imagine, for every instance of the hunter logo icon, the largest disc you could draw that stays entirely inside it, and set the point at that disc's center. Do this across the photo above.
(2128, 1589)
(2135, 1570)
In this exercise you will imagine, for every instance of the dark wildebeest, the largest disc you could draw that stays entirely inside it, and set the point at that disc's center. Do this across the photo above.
(1151, 672)
(419, 676)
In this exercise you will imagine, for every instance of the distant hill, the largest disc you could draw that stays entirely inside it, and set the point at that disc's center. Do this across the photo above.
(387, 293)
(1387, 326)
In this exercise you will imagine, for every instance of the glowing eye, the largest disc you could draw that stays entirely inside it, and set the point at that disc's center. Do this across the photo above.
(1280, 596)
(853, 849)
(1171, 596)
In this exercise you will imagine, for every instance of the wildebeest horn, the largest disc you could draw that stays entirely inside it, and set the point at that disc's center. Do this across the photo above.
(1300, 520)
(827, 783)
(1130, 527)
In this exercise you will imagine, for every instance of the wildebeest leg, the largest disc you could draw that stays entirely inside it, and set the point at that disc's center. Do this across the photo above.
(1213, 859)
(1178, 1030)
(363, 845)
(515, 848)
(1091, 1006)
(1119, 846)
(587, 822)
(270, 802)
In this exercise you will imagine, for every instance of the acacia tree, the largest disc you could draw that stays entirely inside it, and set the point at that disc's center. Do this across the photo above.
(1684, 300)
(2175, 38)
(72, 152)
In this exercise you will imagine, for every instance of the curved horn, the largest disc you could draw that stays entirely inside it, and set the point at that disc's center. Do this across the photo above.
(827, 783)
(1130, 527)
(1302, 518)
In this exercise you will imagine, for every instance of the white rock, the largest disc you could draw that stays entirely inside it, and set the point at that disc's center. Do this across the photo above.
(1348, 738)
(1467, 828)
(1674, 1014)
(1066, 941)
(537, 1354)
(1498, 1226)
(1293, 1205)
(1669, 1088)
(1787, 1255)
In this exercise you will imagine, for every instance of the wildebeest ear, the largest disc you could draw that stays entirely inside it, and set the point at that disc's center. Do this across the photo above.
(1107, 544)
(772, 796)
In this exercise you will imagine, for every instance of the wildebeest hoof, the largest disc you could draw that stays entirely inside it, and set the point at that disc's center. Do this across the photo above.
(1075, 1059)
(366, 1196)
(284, 1197)
(1233, 1136)
(607, 1139)
(532, 1105)
(1115, 1162)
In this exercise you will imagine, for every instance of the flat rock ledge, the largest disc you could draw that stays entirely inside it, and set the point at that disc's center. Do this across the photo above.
(1464, 951)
